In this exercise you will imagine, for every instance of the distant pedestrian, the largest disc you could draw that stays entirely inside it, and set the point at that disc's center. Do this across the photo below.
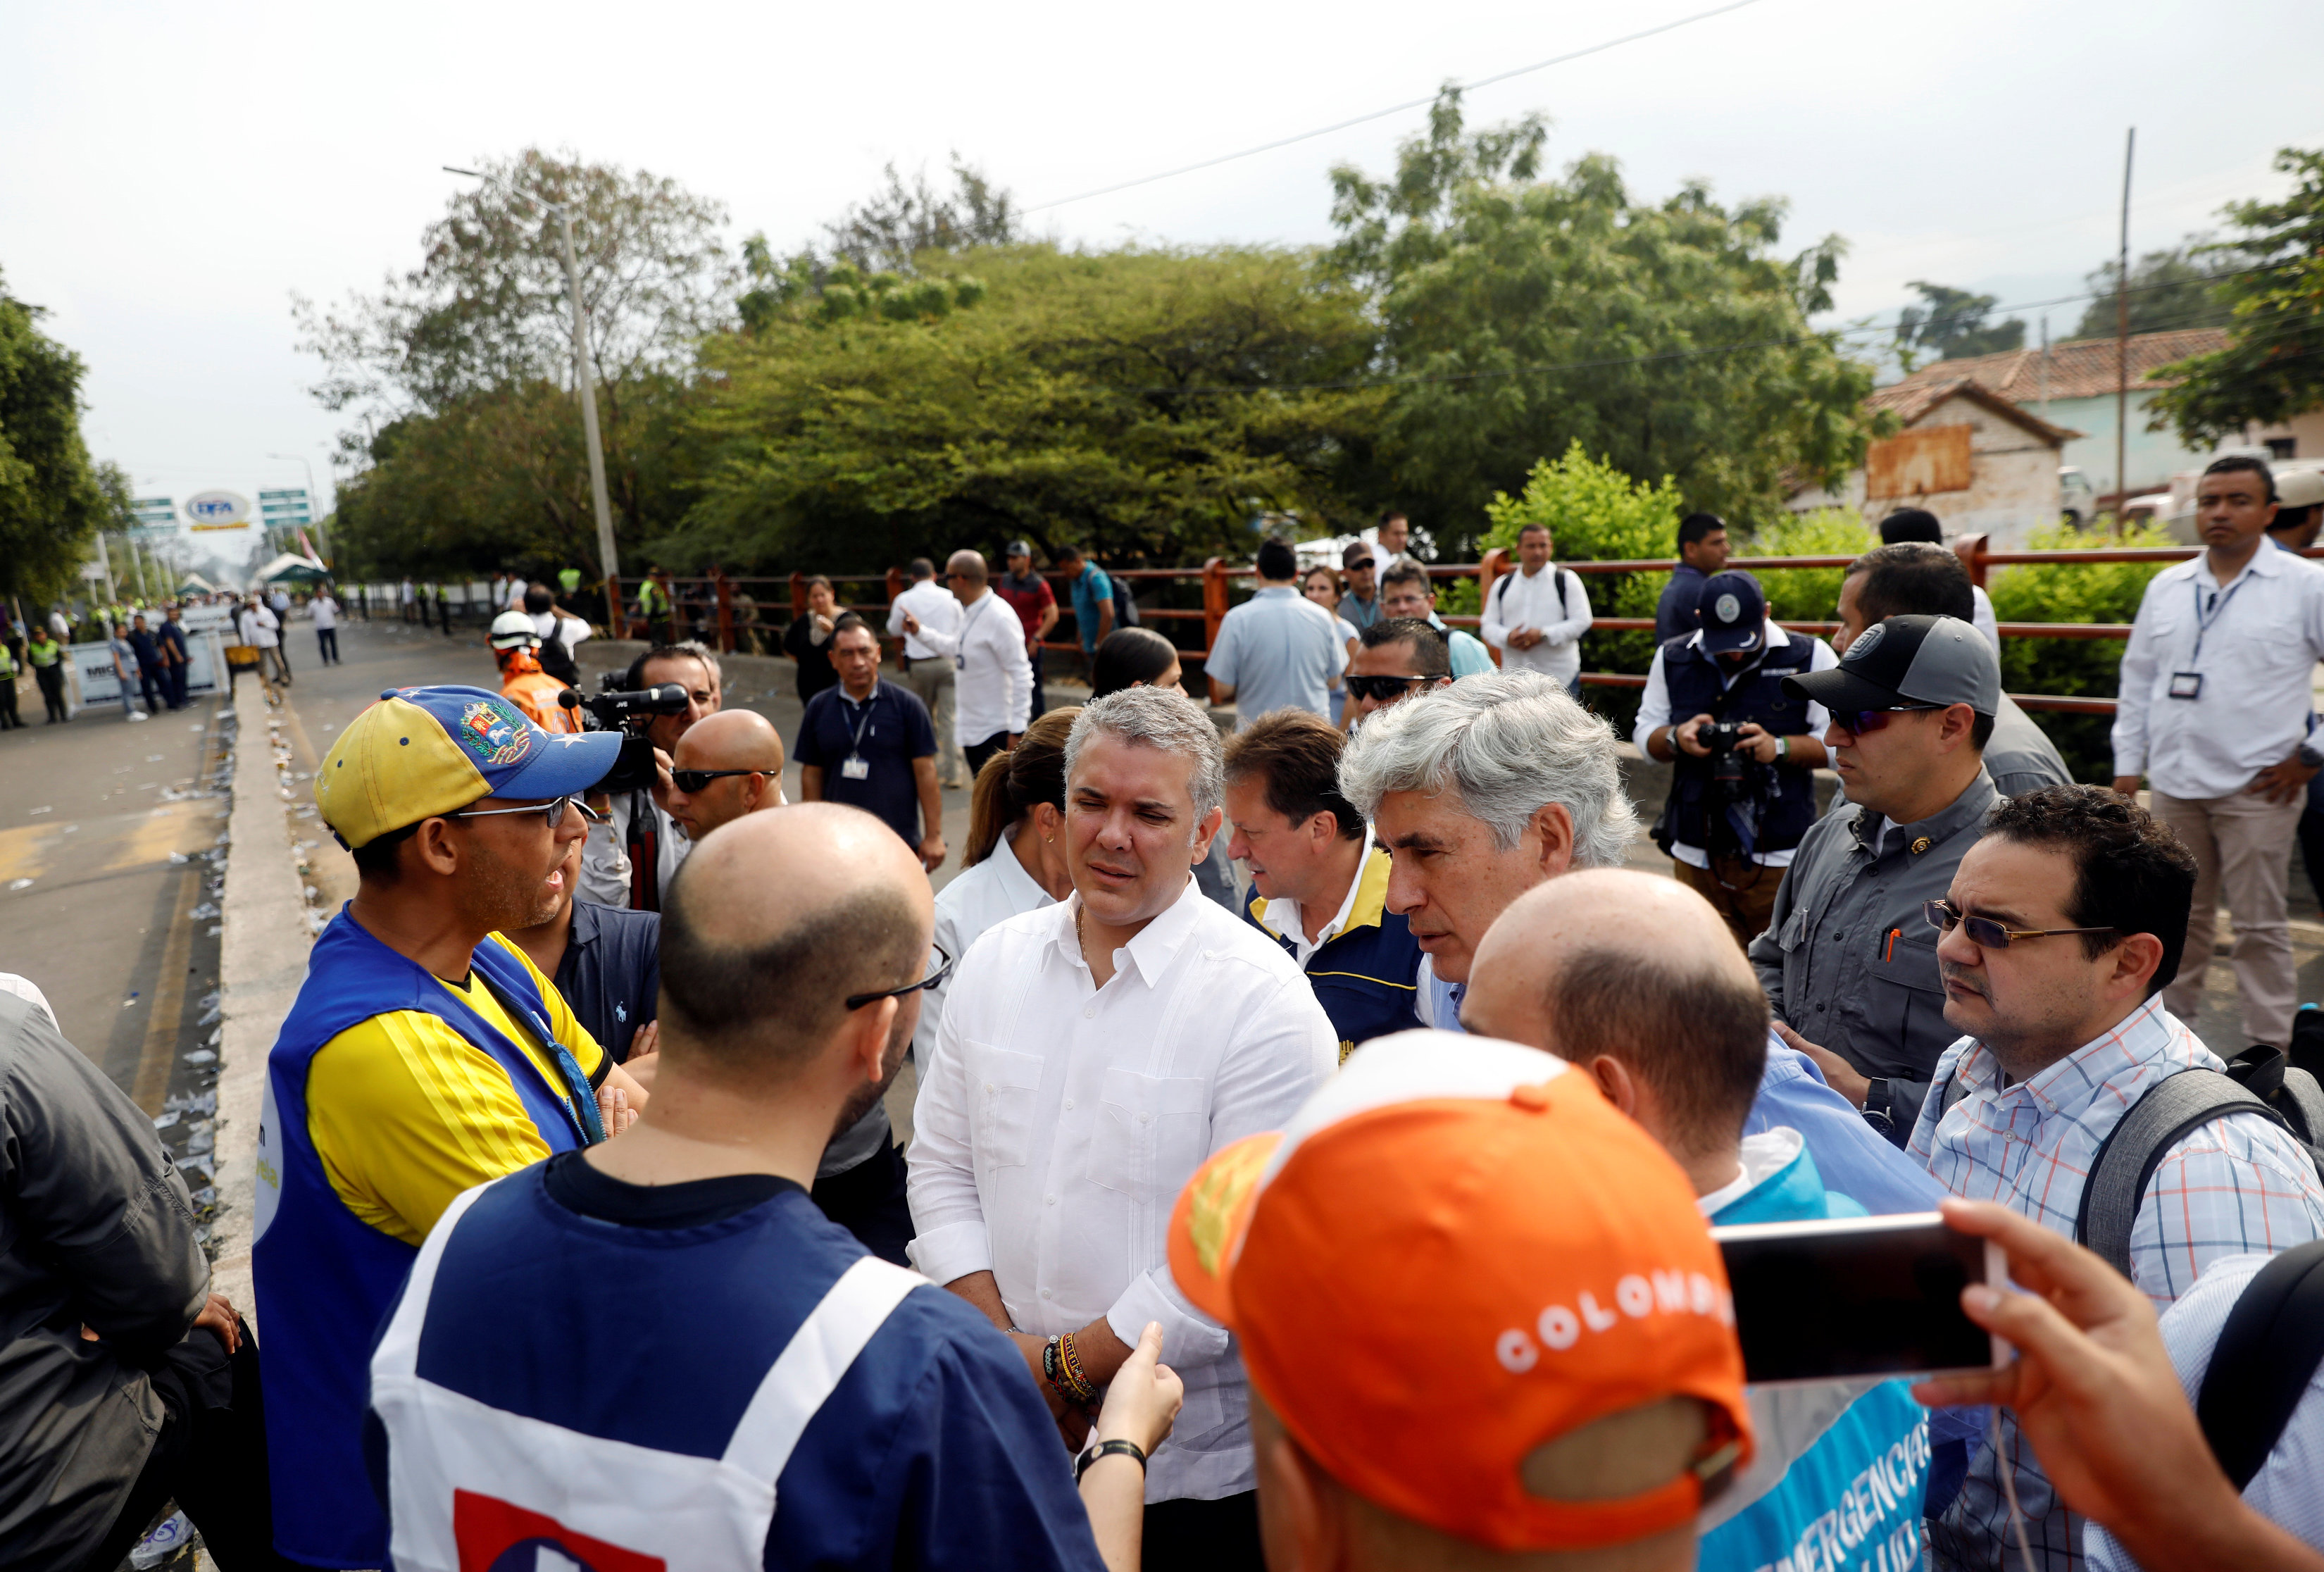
(8, 672)
(523, 681)
(152, 668)
(1322, 586)
(1921, 524)
(1093, 595)
(929, 674)
(443, 610)
(60, 625)
(1536, 615)
(1036, 605)
(1398, 658)
(993, 690)
(124, 670)
(1702, 552)
(45, 655)
(560, 634)
(404, 590)
(326, 627)
(1277, 649)
(1406, 590)
(870, 744)
(569, 586)
(172, 636)
(1359, 608)
(1394, 538)
(261, 630)
(654, 607)
(808, 641)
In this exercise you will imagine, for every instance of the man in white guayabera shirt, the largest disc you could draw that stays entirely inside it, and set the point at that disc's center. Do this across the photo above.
(1093, 1054)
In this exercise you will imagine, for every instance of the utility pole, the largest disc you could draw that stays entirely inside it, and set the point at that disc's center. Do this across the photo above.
(606, 561)
(2122, 345)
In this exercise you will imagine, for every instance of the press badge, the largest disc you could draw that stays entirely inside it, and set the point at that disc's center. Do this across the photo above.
(853, 768)
(2186, 685)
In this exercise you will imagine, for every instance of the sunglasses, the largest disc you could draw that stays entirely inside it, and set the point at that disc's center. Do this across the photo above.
(939, 968)
(693, 780)
(1986, 933)
(1381, 687)
(552, 812)
(1856, 722)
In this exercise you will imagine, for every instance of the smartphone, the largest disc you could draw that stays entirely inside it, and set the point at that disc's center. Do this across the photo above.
(1847, 1297)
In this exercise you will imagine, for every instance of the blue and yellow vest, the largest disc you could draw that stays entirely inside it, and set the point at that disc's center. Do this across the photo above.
(324, 1279)
(1364, 976)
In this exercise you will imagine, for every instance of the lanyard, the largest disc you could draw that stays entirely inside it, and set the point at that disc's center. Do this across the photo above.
(864, 718)
(980, 606)
(2203, 619)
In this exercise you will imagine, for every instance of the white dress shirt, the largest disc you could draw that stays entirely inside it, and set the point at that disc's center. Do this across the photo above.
(993, 692)
(979, 896)
(568, 631)
(1057, 1121)
(1655, 710)
(935, 610)
(2257, 655)
(1552, 600)
(1282, 916)
(327, 612)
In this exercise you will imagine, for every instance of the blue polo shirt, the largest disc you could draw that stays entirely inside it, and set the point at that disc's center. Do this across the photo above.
(1279, 650)
(887, 731)
(1092, 592)
(611, 973)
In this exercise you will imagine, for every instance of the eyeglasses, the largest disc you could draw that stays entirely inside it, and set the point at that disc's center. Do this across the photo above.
(1856, 722)
(693, 780)
(1359, 566)
(1383, 688)
(939, 968)
(1986, 933)
(552, 812)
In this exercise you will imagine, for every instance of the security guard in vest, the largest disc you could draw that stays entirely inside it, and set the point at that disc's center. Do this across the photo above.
(424, 1056)
(1318, 884)
(1744, 752)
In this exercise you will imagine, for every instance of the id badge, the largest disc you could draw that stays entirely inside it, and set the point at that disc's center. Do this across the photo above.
(854, 768)
(2186, 685)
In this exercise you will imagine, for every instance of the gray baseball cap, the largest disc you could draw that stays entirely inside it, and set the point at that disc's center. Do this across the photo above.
(1905, 661)
(1017, 549)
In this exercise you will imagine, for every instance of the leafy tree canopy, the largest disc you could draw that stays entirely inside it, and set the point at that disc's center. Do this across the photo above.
(1949, 324)
(2273, 368)
(52, 500)
(2168, 289)
(1520, 315)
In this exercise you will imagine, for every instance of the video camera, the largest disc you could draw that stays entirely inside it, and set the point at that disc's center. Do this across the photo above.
(628, 711)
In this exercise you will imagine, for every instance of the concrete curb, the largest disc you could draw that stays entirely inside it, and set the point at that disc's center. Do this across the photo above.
(264, 961)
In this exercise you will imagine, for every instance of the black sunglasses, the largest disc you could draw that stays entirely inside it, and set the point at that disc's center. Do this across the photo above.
(1986, 933)
(1381, 687)
(693, 780)
(1856, 722)
(939, 968)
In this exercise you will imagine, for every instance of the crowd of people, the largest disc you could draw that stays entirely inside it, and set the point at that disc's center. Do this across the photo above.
(1360, 1220)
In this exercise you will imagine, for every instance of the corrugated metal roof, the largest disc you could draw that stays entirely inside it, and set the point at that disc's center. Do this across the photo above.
(2081, 368)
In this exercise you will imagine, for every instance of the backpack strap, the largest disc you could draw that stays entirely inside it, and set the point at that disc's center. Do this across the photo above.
(2266, 1356)
(2128, 1158)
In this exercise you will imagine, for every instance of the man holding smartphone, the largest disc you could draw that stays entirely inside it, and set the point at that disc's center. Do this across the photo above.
(2062, 927)
(1623, 975)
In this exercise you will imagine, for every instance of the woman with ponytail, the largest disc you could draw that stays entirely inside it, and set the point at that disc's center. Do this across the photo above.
(1015, 857)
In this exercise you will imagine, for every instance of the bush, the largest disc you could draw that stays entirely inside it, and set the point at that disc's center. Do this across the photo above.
(2072, 592)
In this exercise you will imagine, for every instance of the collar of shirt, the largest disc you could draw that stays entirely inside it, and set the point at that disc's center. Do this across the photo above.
(2263, 565)
(1274, 591)
(1879, 836)
(1282, 917)
(2148, 1036)
(1150, 950)
(1024, 894)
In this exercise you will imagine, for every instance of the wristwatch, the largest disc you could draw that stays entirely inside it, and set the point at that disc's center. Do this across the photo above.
(1878, 1111)
(2309, 757)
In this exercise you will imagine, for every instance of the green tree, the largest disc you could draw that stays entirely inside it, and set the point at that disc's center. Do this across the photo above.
(2173, 288)
(1131, 402)
(51, 504)
(2273, 368)
(1521, 314)
(1949, 324)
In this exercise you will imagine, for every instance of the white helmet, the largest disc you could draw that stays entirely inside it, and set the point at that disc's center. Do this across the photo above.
(514, 630)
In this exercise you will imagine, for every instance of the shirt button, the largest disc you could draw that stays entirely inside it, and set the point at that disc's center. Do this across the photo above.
(1047, 1294)
(1089, 1013)
(1146, 1118)
(1052, 1201)
(1069, 1105)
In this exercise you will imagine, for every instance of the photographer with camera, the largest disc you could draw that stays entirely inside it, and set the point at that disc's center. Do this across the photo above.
(1743, 778)
(631, 856)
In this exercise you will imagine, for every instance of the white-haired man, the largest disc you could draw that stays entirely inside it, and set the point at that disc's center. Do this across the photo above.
(1482, 791)
(1093, 1053)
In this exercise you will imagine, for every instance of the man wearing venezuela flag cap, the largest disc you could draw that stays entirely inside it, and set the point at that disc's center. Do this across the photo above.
(425, 1055)
(1481, 1315)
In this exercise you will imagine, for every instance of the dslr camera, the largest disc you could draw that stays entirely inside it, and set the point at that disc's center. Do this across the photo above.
(1729, 774)
(614, 708)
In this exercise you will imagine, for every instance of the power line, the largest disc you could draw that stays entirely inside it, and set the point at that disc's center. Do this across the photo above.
(1392, 109)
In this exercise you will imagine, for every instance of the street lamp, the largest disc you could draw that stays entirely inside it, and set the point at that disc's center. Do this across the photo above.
(587, 385)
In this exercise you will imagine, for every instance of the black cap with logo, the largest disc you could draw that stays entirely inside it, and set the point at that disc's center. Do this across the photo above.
(1906, 661)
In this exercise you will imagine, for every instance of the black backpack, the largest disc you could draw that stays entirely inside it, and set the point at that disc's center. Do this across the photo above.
(2267, 1354)
(1125, 608)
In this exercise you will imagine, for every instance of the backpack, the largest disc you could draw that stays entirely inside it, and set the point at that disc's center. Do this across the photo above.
(1125, 609)
(2267, 1354)
(1566, 578)
(2259, 1080)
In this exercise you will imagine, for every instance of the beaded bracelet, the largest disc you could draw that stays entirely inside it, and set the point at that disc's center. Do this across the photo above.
(1062, 1368)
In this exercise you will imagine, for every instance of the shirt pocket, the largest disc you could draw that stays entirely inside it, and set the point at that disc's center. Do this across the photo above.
(1152, 1132)
(1003, 1091)
(1795, 930)
(1906, 1004)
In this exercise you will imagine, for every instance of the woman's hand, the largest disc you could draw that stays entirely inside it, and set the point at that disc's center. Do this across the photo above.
(1143, 1401)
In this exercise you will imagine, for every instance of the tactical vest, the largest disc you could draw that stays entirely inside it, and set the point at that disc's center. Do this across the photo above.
(1779, 804)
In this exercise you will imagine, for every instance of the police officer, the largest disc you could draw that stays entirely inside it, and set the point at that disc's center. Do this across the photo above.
(1744, 751)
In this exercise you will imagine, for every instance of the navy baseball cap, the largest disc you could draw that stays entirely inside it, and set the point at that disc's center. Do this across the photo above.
(1732, 613)
(422, 751)
(1903, 661)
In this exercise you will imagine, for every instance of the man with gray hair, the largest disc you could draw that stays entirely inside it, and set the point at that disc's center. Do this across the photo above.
(1093, 1053)
(1481, 790)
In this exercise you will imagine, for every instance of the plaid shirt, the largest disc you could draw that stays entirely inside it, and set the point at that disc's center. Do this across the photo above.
(2235, 1185)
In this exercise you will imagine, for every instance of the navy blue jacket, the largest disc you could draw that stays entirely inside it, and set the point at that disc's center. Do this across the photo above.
(1365, 975)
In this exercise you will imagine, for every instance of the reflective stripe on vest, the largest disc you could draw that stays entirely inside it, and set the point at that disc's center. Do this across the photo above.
(468, 1482)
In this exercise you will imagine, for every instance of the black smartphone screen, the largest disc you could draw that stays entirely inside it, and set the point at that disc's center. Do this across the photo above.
(1861, 1296)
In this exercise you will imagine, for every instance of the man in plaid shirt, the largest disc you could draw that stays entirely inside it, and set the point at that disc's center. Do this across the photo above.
(2062, 1040)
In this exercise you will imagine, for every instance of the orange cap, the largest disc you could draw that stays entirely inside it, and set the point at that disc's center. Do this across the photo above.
(1458, 1252)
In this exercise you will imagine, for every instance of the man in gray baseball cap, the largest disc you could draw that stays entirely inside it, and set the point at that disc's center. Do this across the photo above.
(1848, 963)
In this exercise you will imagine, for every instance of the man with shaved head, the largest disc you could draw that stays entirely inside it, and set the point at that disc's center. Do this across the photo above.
(726, 765)
(993, 681)
(1633, 978)
(676, 1324)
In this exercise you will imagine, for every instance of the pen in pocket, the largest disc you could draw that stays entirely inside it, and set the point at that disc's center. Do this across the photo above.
(1888, 949)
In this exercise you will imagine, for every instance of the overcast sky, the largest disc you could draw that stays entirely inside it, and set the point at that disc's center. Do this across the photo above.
(175, 173)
